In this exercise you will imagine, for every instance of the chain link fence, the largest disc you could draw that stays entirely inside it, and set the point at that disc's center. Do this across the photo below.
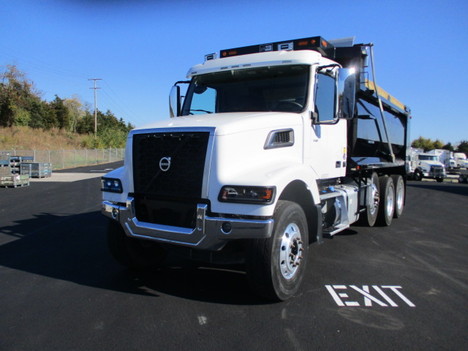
(61, 159)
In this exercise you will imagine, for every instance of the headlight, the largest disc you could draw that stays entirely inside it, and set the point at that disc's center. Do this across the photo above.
(247, 194)
(111, 185)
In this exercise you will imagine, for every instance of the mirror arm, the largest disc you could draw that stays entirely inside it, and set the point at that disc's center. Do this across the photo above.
(314, 116)
(175, 107)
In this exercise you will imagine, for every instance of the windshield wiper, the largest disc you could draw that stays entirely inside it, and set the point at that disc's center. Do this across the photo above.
(199, 110)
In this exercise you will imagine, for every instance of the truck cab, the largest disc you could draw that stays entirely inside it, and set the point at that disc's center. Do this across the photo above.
(269, 148)
(427, 165)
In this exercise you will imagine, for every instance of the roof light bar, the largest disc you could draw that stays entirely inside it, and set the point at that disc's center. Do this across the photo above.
(313, 43)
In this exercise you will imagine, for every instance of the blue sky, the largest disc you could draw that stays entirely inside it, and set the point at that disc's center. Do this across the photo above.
(141, 47)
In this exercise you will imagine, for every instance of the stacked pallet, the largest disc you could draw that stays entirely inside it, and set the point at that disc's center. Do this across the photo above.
(16, 170)
(10, 175)
(40, 169)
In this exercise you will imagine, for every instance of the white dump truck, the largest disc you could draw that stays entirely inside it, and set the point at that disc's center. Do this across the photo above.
(270, 148)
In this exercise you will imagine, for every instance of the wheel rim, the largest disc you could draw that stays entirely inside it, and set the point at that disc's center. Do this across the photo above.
(375, 196)
(400, 196)
(390, 201)
(291, 249)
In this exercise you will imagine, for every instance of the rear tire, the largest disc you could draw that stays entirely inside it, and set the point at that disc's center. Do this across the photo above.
(276, 265)
(135, 254)
(400, 195)
(369, 216)
(387, 201)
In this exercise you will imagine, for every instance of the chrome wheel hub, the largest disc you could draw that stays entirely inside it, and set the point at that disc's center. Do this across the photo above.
(390, 201)
(400, 197)
(291, 248)
(375, 198)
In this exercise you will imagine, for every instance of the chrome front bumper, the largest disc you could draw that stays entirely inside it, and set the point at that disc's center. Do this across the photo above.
(210, 233)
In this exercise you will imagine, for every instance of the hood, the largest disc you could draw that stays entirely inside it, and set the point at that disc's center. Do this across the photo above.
(229, 123)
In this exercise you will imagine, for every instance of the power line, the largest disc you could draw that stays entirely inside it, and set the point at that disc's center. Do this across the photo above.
(118, 101)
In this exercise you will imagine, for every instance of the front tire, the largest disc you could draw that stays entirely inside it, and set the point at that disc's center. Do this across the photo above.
(135, 254)
(418, 175)
(276, 265)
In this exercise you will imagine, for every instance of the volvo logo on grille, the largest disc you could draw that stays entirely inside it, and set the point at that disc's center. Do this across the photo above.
(165, 164)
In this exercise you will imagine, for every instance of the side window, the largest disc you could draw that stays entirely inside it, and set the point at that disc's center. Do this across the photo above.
(325, 98)
(203, 101)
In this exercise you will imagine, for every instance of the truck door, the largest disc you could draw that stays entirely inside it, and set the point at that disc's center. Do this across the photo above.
(328, 134)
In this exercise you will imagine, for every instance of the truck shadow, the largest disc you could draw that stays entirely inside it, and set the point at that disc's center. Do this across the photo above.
(74, 249)
(453, 188)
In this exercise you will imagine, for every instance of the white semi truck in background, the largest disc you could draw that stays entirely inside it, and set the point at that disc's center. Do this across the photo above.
(425, 165)
(460, 160)
(272, 147)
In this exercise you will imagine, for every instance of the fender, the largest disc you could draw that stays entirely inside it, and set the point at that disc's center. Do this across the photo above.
(287, 174)
(280, 177)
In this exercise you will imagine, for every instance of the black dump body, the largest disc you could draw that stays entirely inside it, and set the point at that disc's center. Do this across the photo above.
(373, 144)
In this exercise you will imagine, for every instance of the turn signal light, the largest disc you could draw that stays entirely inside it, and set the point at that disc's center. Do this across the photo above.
(247, 194)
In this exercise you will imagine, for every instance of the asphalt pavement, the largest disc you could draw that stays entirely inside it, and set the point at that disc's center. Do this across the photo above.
(403, 287)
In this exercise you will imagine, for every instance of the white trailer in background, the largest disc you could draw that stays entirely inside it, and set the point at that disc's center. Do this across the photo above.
(460, 160)
(445, 157)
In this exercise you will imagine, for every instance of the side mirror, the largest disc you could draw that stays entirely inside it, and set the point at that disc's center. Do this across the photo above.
(346, 92)
(174, 101)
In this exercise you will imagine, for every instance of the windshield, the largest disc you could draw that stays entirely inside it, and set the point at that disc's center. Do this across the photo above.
(427, 158)
(276, 88)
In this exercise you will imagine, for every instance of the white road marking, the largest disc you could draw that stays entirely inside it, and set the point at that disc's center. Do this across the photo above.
(341, 297)
(202, 320)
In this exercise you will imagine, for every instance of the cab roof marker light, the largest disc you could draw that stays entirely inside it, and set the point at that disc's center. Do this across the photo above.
(286, 46)
(266, 47)
(211, 56)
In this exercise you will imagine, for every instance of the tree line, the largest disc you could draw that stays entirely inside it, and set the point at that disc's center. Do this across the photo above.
(21, 105)
(428, 144)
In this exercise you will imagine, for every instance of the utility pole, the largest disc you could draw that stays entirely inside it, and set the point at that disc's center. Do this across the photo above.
(95, 103)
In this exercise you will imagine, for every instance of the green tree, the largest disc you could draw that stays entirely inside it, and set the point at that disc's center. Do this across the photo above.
(17, 94)
(75, 111)
(449, 147)
(423, 143)
(438, 144)
(62, 113)
(22, 117)
(85, 124)
(463, 147)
